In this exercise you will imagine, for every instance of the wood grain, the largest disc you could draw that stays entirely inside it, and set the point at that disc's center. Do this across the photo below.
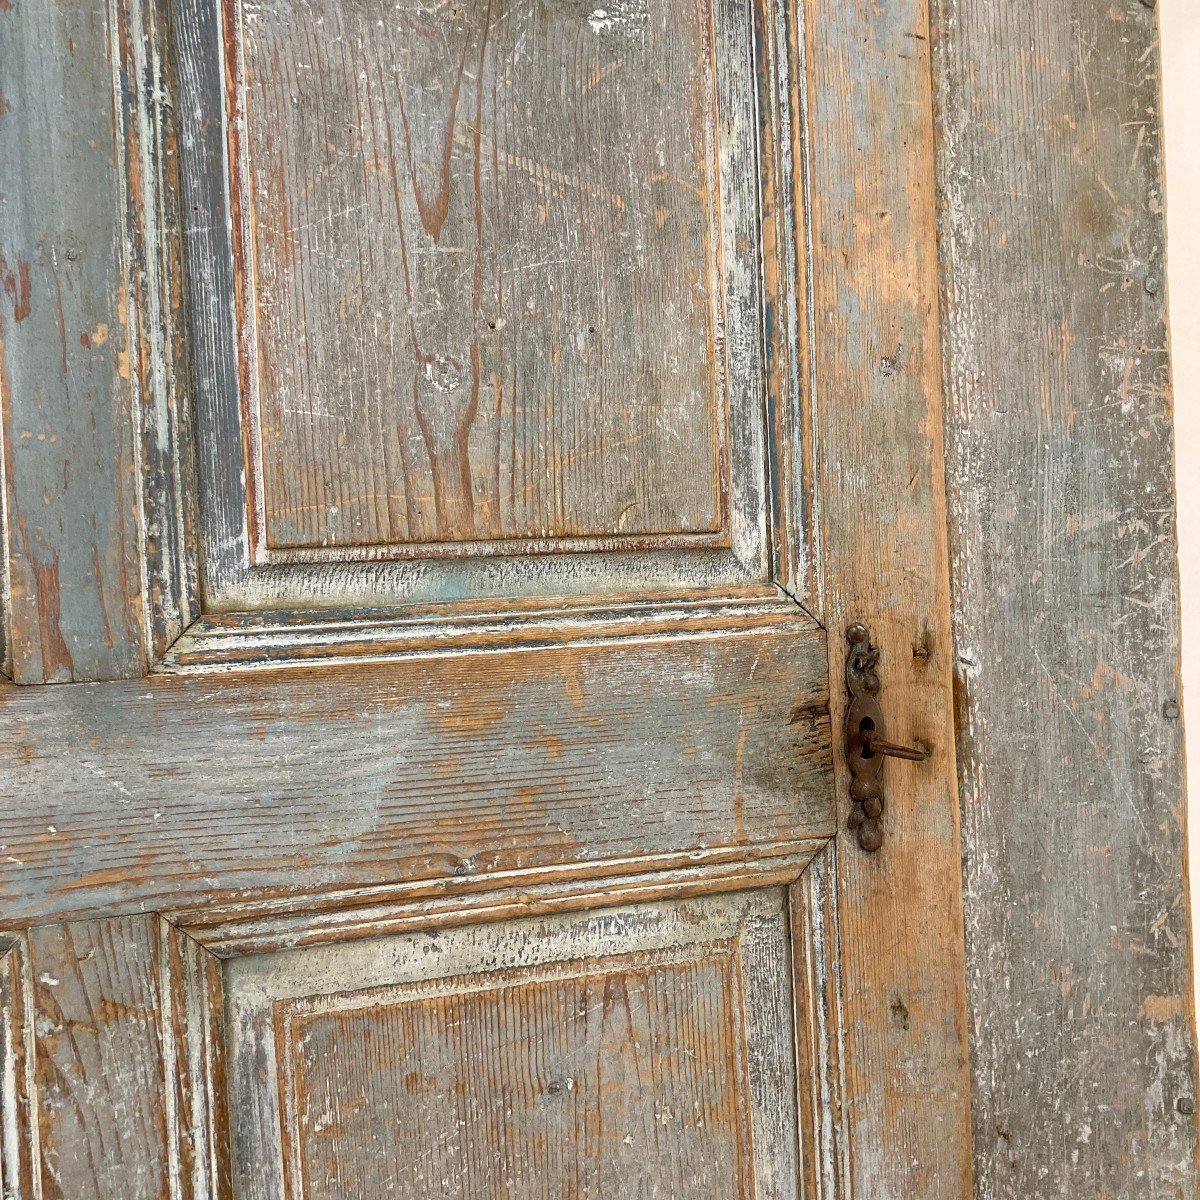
(636, 1050)
(1059, 459)
(608, 1081)
(100, 1064)
(73, 593)
(113, 1036)
(18, 1132)
(869, 149)
(505, 271)
(568, 462)
(180, 791)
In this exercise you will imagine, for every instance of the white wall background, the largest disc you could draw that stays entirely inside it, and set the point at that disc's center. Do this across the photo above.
(1179, 21)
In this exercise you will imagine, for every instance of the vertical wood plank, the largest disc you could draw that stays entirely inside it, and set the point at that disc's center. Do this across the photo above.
(101, 1095)
(878, 419)
(1059, 460)
(128, 1062)
(18, 1133)
(71, 487)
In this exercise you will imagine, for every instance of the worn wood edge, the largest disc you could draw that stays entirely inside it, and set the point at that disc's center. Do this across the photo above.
(876, 433)
(819, 1032)
(19, 1153)
(378, 912)
(6, 598)
(152, 249)
(378, 552)
(196, 1092)
(788, 312)
(236, 642)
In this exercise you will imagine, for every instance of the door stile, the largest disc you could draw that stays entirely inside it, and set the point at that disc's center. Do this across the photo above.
(868, 172)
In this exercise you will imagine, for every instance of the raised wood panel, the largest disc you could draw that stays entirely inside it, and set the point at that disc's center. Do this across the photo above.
(177, 791)
(494, 227)
(645, 1050)
(591, 1085)
(485, 290)
(639, 1048)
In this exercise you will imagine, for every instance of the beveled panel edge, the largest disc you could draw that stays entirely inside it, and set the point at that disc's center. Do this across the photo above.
(487, 579)
(235, 930)
(257, 639)
(161, 360)
(519, 547)
(195, 1093)
(788, 301)
(819, 1024)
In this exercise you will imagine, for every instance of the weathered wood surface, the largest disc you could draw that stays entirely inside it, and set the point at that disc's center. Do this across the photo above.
(544, 222)
(98, 493)
(1066, 612)
(642, 1050)
(607, 1082)
(116, 1027)
(501, 242)
(181, 792)
(100, 1060)
(881, 508)
(18, 1145)
(71, 493)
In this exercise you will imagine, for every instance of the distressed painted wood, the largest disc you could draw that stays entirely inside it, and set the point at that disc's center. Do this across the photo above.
(190, 791)
(638, 1051)
(73, 595)
(1059, 461)
(881, 506)
(504, 272)
(117, 1050)
(558, 386)
(351, 762)
(18, 1135)
(99, 1053)
(97, 489)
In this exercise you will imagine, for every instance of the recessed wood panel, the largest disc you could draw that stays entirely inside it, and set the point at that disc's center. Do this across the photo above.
(646, 1050)
(475, 294)
(479, 271)
(586, 1082)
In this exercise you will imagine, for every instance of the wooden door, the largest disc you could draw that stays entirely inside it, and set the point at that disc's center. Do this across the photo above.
(445, 445)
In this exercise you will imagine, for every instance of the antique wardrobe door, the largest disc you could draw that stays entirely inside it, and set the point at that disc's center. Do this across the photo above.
(445, 448)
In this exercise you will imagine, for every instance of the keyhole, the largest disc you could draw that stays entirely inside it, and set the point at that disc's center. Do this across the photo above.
(865, 726)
